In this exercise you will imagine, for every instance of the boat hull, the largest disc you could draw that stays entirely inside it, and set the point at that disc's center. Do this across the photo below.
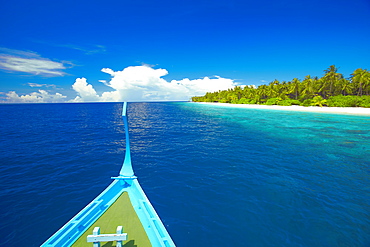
(77, 226)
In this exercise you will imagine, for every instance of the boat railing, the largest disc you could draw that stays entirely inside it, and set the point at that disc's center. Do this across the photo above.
(96, 237)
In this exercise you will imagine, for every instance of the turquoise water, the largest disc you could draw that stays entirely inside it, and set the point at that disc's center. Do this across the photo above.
(217, 176)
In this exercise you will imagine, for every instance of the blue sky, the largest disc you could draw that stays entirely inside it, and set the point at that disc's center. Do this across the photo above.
(54, 51)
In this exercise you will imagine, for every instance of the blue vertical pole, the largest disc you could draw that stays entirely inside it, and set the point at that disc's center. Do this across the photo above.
(126, 169)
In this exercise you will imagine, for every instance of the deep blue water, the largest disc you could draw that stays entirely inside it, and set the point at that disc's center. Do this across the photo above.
(216, 176)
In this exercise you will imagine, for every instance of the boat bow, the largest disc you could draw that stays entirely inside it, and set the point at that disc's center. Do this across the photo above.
(80, 225)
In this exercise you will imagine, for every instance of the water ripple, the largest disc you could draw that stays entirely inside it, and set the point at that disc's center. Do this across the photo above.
(261, 178)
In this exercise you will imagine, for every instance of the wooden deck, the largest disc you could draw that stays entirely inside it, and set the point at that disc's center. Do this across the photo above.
(120, 213)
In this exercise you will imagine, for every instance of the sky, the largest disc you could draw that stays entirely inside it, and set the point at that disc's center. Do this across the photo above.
(139, 50)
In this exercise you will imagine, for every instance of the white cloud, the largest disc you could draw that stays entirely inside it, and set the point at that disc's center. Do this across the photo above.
(30, 62)
(86, 48)
(143, 83)
(31, 65)
(133, 84)
(86, 92)
(41, 96)
(41, 85)
(20, 53)
(91, 50)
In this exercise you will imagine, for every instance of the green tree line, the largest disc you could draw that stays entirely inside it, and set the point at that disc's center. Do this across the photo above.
(330, 90)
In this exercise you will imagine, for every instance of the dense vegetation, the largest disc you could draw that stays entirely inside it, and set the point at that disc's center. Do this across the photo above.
(330, 90)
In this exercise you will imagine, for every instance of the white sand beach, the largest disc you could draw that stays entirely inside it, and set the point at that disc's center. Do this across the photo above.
(335, 110)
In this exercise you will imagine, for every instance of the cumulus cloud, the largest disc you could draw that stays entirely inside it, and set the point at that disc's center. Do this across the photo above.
(30, 62)
(86, 92)
(133, 84)
(144, 83)
(41, 96)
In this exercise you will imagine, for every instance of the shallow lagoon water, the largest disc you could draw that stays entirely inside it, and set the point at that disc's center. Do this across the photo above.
(217, 176)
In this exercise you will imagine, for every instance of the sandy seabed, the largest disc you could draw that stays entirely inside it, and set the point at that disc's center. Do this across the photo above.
(335, 110)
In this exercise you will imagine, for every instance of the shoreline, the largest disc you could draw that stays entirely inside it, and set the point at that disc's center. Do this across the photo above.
(333, 110)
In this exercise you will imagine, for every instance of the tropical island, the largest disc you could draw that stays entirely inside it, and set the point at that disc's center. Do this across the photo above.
(332, 90)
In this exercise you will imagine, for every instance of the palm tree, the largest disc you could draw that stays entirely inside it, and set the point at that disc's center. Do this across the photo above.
(273, 89)
(249, 92)
(262, 93)
(361, 78)
(295, 87)
(238, 91)
(282, 90)
(330, 80)
(308, 87)
(346, 87)
(318, 100)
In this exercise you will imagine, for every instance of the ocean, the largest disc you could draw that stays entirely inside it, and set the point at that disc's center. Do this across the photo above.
(217, 176)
